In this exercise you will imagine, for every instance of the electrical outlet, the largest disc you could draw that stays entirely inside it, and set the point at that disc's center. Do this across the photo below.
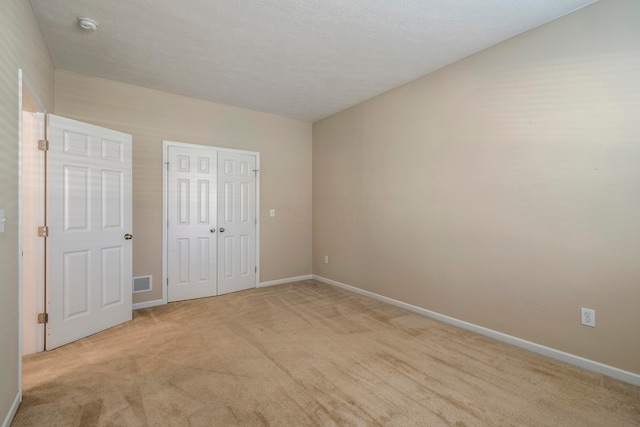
(588, 317)
(272, 213)
(326, 259)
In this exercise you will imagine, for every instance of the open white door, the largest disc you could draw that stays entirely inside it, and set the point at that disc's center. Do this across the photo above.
(89, 247)
(236, 221)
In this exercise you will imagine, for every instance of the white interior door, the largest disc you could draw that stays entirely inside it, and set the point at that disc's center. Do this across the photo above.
(89, 248)
(236, 221)
(191, 222)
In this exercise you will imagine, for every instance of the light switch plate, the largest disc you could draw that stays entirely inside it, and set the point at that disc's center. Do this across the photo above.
(2, 220)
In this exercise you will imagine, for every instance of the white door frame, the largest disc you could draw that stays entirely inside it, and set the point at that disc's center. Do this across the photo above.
(165, 186)
(28, 97)
(32, 216)
(25, 90)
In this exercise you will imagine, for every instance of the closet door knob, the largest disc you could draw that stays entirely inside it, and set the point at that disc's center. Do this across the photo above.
(221, 230)
(213, 230)
(128, 236)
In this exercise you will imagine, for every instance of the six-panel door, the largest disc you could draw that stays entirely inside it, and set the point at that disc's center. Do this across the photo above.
(89, 259)
(237, 217)
(191, 223)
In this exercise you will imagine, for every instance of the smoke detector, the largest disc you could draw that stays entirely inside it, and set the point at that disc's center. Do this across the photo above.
(87, 24)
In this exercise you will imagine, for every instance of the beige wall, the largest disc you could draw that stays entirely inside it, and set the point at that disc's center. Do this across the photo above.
(503, 190)
(21, 46)
(152, 116)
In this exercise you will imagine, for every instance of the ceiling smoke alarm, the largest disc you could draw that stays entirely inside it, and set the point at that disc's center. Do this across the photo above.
(87, 24)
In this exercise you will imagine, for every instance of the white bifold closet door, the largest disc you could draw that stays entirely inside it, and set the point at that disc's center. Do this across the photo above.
(211, 220)
(89, 219)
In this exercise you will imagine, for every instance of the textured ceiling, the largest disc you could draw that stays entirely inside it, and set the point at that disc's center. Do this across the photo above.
(304, 59)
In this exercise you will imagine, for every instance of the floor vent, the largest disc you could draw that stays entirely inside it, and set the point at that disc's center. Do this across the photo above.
(141, 284)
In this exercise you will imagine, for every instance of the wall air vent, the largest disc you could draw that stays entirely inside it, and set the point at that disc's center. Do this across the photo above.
(142, 284)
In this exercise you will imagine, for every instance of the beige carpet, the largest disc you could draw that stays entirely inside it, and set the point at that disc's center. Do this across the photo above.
(308, 354)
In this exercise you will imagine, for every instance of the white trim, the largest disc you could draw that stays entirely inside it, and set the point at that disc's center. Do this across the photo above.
(23, 88)
(165, 219)
(287, 280)
(258, 271)
(31, 216)
(148, 304)
(20, 326)
(572, 359)
(23, 85)
(12, 410)
(165, 176)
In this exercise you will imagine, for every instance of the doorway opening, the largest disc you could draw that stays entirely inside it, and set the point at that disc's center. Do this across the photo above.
(75, 243)
(31, 213)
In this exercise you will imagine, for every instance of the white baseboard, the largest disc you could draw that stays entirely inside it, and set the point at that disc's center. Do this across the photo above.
(147, 304)
(287, 280)
(12, 410)
(626, 376)
(154, 303)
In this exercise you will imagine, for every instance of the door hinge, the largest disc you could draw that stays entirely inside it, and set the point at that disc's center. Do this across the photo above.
(43, 231)
(43, 144)
(43, 318)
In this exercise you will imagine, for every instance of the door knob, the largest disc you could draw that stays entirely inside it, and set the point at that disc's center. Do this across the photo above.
(128, 236)
(213, 230)
(222, 230)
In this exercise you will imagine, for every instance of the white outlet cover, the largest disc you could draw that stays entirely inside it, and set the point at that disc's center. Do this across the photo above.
(2, 220)
(272, 213)
(588, 317)
(326, 259)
